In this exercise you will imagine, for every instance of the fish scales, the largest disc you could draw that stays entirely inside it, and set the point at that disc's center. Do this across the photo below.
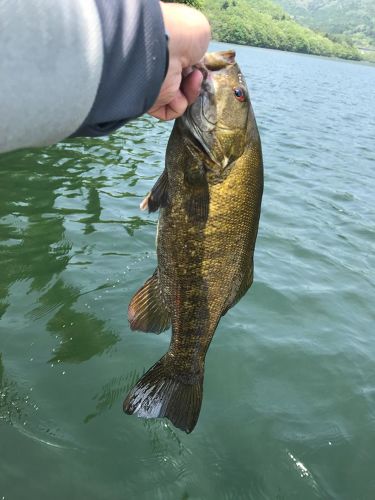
(209, 198)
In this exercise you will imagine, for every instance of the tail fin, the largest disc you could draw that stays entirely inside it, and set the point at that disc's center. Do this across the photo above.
(160, 393)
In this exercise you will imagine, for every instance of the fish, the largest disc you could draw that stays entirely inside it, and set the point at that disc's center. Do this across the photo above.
(209, 200)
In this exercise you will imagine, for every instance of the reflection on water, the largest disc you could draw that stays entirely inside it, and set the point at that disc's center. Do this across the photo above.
(163, 438)
(52, 204)
(93, 208)
(112, 392)
(81, 336)
(60, 294)
(9, 408)
(31, 234)
(13, 401)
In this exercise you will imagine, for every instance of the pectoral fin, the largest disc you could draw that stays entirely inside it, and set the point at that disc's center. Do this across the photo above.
(147, 311)
(158, 196)
(237, 295)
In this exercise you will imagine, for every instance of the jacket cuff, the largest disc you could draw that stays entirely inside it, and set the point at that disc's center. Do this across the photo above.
(135, 63)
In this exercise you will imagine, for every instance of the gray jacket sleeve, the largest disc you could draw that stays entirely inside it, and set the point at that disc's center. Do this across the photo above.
(134, 66)
(76, 67)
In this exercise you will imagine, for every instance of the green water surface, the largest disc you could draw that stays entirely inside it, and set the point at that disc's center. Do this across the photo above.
(289, 393)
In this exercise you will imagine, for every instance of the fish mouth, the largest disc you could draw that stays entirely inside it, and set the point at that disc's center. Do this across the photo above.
(215, 61)
(204, 141)
(197, 135)
(200, 118)
(208, 93)
(211, 63)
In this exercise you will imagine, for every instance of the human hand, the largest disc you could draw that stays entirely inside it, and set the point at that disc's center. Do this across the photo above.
(189, 34)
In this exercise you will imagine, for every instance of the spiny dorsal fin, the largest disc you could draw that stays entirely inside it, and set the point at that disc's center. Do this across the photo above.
(147, 311)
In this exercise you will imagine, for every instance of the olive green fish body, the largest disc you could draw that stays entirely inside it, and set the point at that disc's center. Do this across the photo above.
(210, 197)
(207, 263)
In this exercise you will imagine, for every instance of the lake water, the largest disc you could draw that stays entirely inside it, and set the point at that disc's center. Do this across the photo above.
(289, 395)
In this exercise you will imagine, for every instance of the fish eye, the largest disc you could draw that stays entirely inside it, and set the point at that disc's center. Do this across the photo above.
(239, 94)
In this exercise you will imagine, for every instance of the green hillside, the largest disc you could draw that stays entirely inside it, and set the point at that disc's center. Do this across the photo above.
(352, 18)
(263, 23)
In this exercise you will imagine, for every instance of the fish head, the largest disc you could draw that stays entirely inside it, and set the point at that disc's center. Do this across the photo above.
(218, 120)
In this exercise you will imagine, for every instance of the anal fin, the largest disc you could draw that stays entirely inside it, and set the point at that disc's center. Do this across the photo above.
(147, 311)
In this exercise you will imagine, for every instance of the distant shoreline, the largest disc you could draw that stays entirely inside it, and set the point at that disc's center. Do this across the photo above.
(335, 58)
(269, 26)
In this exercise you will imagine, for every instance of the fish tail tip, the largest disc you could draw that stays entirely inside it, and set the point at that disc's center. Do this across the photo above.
(159, 394)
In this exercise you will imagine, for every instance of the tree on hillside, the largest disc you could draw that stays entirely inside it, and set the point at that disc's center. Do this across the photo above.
(193, 3)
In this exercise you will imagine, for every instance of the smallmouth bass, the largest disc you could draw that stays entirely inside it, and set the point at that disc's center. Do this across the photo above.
(209, 196)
